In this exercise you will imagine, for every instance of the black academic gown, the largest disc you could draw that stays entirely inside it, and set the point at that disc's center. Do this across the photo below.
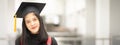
(33, 41)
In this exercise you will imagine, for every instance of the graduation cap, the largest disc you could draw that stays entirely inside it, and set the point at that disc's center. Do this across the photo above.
(27, 7)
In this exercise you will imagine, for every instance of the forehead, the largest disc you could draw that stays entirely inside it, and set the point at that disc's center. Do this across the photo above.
(30, 15)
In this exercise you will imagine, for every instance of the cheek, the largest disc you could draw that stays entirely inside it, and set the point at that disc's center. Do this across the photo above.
(38, 24)
(28, 26)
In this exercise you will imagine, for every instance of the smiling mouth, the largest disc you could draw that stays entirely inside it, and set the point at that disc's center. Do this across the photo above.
(34, 27)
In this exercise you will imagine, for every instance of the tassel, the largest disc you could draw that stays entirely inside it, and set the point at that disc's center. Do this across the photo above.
(15, 23)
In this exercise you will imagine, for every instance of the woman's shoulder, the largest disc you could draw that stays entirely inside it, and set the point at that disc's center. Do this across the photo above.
(54, 42)
(17, 41)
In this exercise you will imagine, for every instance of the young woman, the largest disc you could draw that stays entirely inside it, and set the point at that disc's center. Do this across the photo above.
(33, 30)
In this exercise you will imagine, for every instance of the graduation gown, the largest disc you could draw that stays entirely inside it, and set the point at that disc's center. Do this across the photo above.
(34, 41)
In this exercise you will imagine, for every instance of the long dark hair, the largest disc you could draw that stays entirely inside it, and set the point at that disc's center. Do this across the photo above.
(26, 33)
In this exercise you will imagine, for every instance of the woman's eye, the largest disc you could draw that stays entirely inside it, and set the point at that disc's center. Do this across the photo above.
(28, 22)
(34, 19)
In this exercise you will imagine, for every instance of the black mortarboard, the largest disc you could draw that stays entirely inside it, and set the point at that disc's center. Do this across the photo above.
(27, 7)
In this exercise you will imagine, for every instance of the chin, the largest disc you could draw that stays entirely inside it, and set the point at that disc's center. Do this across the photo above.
(34, 31)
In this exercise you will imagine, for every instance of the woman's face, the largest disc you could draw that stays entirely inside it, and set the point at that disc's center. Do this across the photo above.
(32, 23)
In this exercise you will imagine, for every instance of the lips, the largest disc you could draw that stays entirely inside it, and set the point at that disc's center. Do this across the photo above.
(34, 27)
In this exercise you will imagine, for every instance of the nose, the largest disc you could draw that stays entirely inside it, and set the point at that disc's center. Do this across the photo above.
(32, 23)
